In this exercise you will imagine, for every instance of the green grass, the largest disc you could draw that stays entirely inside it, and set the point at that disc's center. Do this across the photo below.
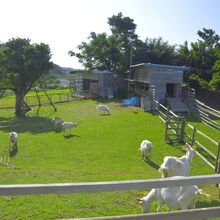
(57, 95)
(102, 148)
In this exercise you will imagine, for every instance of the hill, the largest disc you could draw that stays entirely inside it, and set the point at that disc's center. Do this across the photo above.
(58, 70)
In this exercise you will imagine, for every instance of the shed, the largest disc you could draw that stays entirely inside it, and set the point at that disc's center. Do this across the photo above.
(164, 80)
(93, 83)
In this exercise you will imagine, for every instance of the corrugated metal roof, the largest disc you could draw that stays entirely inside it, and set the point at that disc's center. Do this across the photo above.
(92, 71)
(162, 66)
(102, 71)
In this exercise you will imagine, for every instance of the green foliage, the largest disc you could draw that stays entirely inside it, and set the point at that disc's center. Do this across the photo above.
(122, 48)
(202, 57)
(111, 52)
(160, 51)
(22, 64)
(214, 84)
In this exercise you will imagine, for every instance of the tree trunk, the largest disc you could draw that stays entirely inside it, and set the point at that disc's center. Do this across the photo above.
(19, 111)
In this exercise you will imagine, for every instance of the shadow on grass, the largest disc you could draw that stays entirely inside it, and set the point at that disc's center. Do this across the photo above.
(206, 155)
(105, 115)
(151, 163)
(178, 146)
(71, 136)
(34, 125)
(13, 151)
(210, 203)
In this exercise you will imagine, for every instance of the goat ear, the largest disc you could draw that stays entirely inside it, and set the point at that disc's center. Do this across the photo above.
(185, 149)
(187, 146)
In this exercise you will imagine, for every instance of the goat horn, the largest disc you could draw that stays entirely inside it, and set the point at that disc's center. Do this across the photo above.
(186, 146)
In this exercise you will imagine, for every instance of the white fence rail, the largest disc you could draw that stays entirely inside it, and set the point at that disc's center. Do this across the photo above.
(194, 214)
(91, 187)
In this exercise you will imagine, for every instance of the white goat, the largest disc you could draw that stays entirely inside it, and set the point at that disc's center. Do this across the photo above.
(145, 148)
(67, 126)
(174, 166)
(13, 138)
(57, 122)
(104, 109)
(180, 198)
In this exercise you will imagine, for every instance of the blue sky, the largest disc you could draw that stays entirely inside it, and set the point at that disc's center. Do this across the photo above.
(65, 24)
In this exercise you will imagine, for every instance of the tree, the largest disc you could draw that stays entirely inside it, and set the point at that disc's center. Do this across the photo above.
(103, 52)
(201, 57)
(100, 53)
(160, 51)
(21, 65)
(214, 83)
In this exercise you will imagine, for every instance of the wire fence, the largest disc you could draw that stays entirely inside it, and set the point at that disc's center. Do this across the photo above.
(9, 101)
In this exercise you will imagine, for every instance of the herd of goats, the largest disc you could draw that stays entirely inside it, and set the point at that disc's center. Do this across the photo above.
(180, 197)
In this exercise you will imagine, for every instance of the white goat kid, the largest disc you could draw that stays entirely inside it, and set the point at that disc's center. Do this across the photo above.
(104, 109)
(67, 126)
(145, 148)
(57, 122)
(174, 166)
(13, 138)
(180, 198)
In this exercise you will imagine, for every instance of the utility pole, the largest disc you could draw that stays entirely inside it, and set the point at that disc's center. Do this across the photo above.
(131, 58)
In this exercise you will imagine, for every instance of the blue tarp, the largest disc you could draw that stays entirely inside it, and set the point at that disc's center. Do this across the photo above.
(135, 101)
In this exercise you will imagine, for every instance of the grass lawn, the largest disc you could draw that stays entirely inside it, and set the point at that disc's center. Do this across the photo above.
(101, 148)
(57, 95)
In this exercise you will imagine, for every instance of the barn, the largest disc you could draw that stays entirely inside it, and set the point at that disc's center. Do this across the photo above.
(93, 83)
(164, 82)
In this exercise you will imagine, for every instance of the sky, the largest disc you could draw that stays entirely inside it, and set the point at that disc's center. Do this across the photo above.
(64, 24)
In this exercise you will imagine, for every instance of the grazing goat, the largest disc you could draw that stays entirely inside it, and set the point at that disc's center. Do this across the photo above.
(68, 126)
(174, 166)
(104, 109)
(57, 122)
(145, 148)
(180, 198)
(13, 138)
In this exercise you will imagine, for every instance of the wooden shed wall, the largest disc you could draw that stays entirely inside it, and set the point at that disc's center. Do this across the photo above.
(106, 84)
(142, 74)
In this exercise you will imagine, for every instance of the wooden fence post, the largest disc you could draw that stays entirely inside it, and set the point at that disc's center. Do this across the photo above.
(167, 113)
(158, 108)
(217, 164)
(183, 125)
(193, 136)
